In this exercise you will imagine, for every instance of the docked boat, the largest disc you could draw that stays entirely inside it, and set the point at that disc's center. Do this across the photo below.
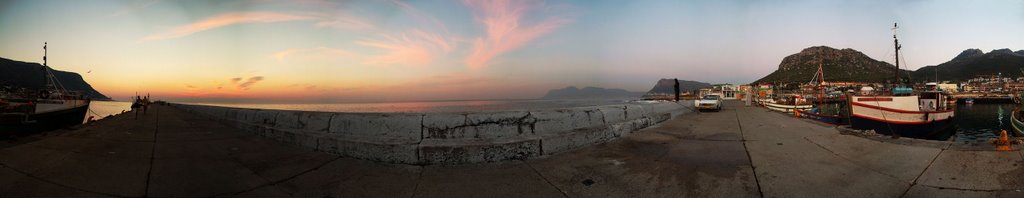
(816, 114)
(49, 108)
(902, 113)
(789, 104)
(1016, 123)
(819, 112)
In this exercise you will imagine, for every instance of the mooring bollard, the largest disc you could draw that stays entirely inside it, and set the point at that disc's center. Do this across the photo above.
(1003, 143)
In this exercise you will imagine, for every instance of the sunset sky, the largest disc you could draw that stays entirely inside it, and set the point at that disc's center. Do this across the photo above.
(378, 50)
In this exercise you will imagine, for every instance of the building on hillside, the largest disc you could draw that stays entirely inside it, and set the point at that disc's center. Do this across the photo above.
(1013, 86)
(948, 87)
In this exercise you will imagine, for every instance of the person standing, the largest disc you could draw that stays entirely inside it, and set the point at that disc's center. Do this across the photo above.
(677, 89)
(136, 105)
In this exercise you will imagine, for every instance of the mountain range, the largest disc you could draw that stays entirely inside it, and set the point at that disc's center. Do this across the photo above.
(572, 92)
(845, 65)
(663, 86)
(667, 86)
(973, 62)
(30, 75)
(848, 65)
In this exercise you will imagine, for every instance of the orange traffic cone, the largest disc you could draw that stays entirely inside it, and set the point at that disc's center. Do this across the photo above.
(796, 113)
(1003, 144)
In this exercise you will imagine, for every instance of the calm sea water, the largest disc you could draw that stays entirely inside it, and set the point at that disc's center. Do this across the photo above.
(976, 123)
(102, 109)
(433, 106)
(980, 122)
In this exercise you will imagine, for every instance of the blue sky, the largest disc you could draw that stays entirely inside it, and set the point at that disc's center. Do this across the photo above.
(299, 50)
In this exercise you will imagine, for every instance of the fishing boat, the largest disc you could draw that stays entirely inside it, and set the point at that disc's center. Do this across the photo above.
(902, 113)
(818, 112)
(49, 108)
(789, 104)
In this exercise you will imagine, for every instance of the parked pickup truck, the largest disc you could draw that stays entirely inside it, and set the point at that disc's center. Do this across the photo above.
(709, 102)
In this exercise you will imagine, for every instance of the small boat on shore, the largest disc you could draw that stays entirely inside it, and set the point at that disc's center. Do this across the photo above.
(49, 108)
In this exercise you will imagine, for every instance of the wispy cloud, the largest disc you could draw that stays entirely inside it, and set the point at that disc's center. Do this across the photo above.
(416, 47)
(314, 53)
(138, 5)
(251, 81)
(344, 23)
(505, 28)
(421, 17)
(225, 20)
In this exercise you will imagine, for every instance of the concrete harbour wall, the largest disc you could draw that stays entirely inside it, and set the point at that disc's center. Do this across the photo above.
(446, 138)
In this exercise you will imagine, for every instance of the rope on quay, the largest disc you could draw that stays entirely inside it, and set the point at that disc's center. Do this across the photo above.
(90, 120)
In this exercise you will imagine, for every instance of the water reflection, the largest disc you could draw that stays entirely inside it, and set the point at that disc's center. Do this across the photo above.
(432, 106)
(102, 109)
(977, 123)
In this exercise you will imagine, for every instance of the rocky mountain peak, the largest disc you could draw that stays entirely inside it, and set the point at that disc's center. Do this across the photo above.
(842, 65)
(968, 53)
(1001, 51)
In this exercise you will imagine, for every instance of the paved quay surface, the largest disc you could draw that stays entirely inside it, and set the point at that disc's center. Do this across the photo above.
(738, 152)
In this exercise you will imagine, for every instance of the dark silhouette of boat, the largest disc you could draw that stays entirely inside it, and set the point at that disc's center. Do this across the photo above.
(53, 107)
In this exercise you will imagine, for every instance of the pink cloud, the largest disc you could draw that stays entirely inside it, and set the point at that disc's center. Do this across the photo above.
(225, 20)
(416, 47)
(505, 30)
(345, 23)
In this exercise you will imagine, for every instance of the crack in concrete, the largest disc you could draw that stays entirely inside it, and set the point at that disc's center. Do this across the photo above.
(419, 179)
(30, 175)
(546, 179)
(57, 184)
(152, 154)
(272, 183)
(743, 139)
(913, 183)
(852, 161)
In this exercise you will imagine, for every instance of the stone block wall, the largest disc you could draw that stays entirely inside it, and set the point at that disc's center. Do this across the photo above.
(446, 138)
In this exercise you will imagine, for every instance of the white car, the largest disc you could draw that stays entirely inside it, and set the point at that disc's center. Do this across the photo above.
(709, 102)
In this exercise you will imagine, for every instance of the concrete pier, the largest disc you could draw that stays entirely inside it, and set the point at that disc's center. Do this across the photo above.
(738, 152)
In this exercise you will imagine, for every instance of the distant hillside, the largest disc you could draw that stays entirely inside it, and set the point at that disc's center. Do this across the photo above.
(974, 62)
(30, 75)
(589, 92)
(846, 65)
(666, 86)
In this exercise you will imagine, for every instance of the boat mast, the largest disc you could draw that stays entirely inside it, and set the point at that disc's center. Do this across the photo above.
(821, 85)
(51, 82)
(46, 76)
(896, 43)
